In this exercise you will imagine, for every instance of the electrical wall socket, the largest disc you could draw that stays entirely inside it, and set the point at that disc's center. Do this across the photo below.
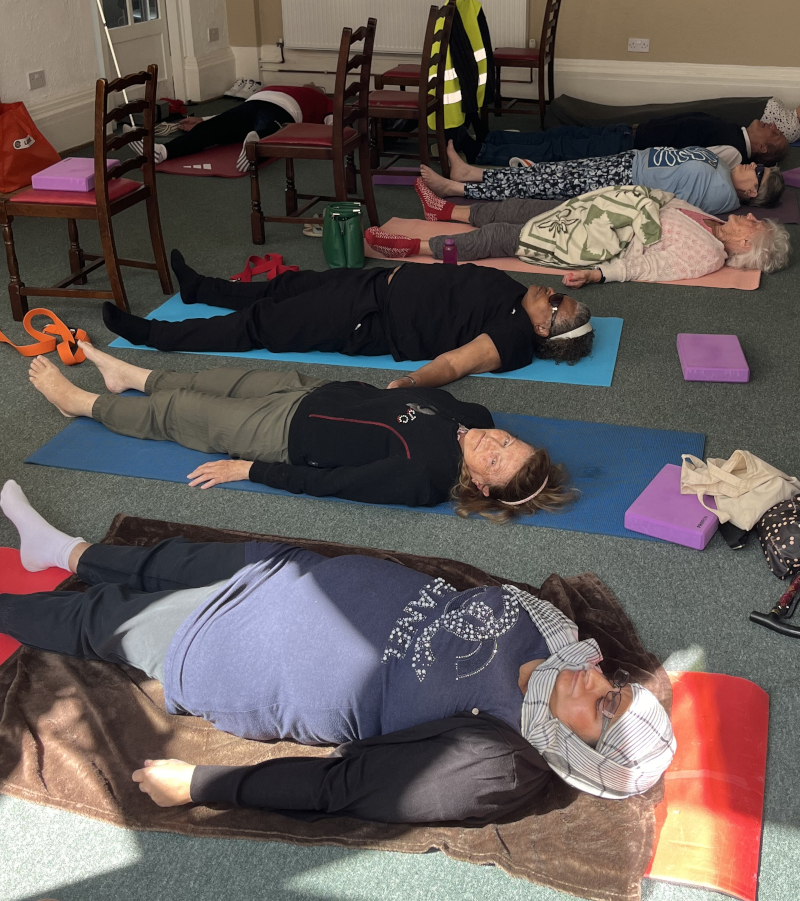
(638, 45)
(213, 34)
(532, 43)
(36, 79)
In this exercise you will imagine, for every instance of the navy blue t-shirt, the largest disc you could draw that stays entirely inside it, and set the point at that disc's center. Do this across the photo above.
(330, 650)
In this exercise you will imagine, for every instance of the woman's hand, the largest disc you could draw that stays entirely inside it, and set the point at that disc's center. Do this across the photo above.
(581, 278)
(166, 781)
(402, 382)
(189, 123)
(218, 472)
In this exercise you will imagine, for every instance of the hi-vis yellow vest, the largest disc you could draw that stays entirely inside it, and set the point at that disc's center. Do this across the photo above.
(453, 111)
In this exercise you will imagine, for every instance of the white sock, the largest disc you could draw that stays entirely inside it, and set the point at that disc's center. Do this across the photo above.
(41, 545)
(243, 164)
(159, 150)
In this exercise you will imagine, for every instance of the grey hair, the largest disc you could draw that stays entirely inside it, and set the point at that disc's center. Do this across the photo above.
(769, 194)
(769, 249)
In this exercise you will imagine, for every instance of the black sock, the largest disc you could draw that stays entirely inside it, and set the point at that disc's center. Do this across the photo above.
(132, 328)
(188, 280)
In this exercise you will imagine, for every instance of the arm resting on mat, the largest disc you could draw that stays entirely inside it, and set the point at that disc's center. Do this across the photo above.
(390, 481)
(464, 768)
(480, 355)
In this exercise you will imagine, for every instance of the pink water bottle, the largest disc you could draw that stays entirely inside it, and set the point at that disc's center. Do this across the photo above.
(450, 251)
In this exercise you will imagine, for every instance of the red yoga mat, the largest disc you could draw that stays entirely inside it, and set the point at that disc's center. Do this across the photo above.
(15, 579)
(709, 823)
(219, 161)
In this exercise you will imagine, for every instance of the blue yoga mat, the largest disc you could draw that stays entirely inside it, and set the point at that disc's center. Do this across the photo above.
(610, 464)
(596, 370)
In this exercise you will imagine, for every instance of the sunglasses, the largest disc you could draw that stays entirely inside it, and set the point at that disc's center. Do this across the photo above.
(555, 303)
(759, 175)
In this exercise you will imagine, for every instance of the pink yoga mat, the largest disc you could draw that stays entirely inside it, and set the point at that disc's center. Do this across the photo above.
(219, 161)
(743, 279)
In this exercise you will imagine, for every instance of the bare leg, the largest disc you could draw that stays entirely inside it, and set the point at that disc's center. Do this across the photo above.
(75, 555)
(62, 394)
(459, 170)
(460, 214)
(444, 187)
(118, 375)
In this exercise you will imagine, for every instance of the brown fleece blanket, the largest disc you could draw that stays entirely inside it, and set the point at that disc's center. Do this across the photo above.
(72, 732)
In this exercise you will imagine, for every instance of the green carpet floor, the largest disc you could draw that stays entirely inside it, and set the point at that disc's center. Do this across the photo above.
(678, 598)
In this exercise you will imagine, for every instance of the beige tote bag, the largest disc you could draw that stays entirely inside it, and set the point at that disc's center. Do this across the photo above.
(744, 486)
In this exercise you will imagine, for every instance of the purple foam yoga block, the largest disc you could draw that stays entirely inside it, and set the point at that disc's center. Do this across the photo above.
(663, 512)
(73, 173)
(712, 358)
(397, 175)
(792, 176)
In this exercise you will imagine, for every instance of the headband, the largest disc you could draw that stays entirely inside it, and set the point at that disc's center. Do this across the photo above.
(575, 333)
(529, 498)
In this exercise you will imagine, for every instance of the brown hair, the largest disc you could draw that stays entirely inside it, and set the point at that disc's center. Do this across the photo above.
(528, 479)
(777, 148)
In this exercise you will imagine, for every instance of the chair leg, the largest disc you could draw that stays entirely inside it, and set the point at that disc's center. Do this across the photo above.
(340, 177)
(374, 137)
(291, 188)
(350, 174)
(366, 184)
(551, 83)
(157, 240)
(256, 216)
(76, 258)
(498, 100)
(441, 143)
(19, 304)
(112, 263)
(541, 97)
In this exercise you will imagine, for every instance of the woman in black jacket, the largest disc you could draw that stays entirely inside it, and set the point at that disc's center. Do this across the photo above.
(407, 445)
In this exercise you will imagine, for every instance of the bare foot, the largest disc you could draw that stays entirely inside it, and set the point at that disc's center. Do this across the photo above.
(459, 170)
(443, 187)
(62, 394)
(117, 374)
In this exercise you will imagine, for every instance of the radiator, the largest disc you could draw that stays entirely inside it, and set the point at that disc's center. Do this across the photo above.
(317, 24)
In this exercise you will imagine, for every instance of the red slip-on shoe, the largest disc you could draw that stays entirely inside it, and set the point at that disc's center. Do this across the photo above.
(392, 246)
(436, 209)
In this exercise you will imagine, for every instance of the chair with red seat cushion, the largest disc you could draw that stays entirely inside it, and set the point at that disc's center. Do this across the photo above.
(416, 105)
(524, 58)
(112, 194)
(406, 76)
(337, 142)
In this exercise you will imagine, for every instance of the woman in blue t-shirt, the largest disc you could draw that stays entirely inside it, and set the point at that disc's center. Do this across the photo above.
(693, 174)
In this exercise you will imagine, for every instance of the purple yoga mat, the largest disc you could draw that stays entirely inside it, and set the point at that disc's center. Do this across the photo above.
(786, 212)
(792, 177)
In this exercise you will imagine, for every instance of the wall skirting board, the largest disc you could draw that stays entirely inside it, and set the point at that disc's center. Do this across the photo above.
(210, 75)
(603, 81)
(66, 121)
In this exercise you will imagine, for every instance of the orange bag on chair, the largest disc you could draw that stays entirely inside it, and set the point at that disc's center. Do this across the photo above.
(24, 150)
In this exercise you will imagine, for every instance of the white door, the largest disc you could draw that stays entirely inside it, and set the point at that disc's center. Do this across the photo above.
(138, 30)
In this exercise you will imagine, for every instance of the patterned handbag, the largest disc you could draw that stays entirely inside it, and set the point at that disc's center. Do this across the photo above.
(778, 531)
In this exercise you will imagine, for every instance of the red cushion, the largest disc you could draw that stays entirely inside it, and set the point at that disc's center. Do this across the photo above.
(394, 100)
(306, 135)
(117, 188)
(508, 55)
(402, 72)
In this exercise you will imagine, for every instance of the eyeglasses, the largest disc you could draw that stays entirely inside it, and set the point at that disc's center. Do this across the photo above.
(759, 175)
(610, 703)
(555, 303)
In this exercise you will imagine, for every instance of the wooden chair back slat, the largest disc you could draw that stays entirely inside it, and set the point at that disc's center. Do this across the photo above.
(345, 112)
(127, 109)
(128, 166)
(549, 27)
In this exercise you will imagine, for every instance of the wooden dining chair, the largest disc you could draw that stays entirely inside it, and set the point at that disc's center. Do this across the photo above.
(540, 59)
(112, 194)
(416, 105)
(337, 143)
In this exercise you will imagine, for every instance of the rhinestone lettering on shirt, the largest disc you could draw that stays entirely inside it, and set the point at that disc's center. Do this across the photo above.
(401, 636)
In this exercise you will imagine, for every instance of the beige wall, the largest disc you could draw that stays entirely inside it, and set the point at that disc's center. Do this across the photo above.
(252, 23)
(720, 32)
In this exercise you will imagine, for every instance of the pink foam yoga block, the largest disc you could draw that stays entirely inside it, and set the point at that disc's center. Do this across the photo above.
(73, 173)
(712, 358)
(792, 176)
(663, 512)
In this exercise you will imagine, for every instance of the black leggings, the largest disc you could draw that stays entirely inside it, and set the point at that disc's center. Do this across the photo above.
(229, 127)
(334, 311)
(125, 583)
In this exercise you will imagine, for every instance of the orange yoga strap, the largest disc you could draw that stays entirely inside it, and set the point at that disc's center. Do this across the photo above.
(56, 336)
